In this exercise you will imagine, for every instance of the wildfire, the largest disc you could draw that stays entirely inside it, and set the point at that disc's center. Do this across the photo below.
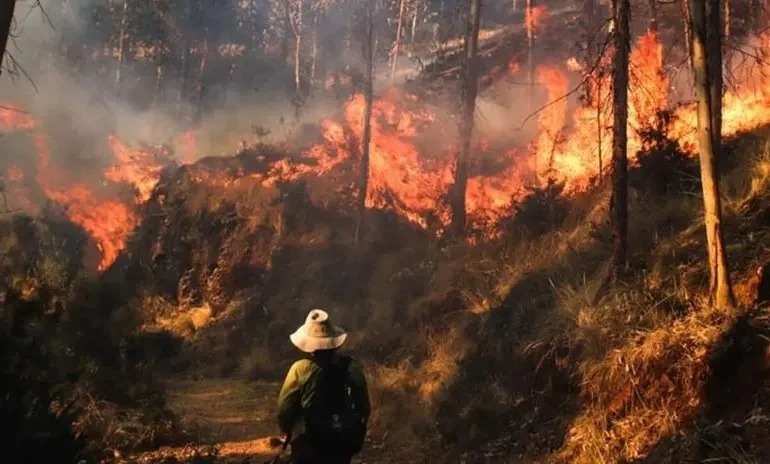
(411, 174)
(15, 174)
(398, 177)
(187, 146)
(648, 89)
(534, 16)
(14, 119)
(138, 168)
(551, 120)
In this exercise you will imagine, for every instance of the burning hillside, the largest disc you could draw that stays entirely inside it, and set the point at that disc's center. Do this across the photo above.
(410, 174)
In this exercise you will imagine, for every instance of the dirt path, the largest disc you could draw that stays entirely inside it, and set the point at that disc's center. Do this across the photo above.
(235, 417)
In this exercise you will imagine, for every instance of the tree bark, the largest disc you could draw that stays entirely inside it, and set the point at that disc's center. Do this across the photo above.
(296, 24)
(201, 90)
(397, 42)
(620, 136)
(415, 16)
(367, 122)
(468, 108)
(6, 20)
(687, 14)
(158, 84)
(720, 289)
(653, 4)
(529, 20)
(714, 61)
(287, 31)
(314, 57)
(121, 43)
(728, 13)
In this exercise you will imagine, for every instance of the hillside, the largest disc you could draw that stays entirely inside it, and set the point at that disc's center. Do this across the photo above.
(513, 348)
(147, 289)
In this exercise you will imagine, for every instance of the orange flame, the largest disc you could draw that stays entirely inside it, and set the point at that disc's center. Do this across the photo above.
(534, 16)
(15, 174)
(109, 222)
(188, 147)
(551, 120)
(135, 167)
(12, 118)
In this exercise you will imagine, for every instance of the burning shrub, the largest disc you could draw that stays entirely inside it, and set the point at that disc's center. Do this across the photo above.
(663, 166)
(542, 210)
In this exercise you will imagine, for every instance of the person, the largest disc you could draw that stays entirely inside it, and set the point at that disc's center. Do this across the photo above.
(323, 406)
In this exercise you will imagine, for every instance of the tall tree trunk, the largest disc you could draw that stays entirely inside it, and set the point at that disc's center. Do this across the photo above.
(397, 42)
(720, 288)
(653, 4)
(728, 14)
(184, 72)
(620, 135)
(529, 20)
(714, 61)
(415, 16)
(122, 43)
(314, 57)
(287, 31)
(687, 15)
(201, 90)
(468, 108)
(296, 25)
(6, 20)
(363, 181)
(158, 84)
(593, 92)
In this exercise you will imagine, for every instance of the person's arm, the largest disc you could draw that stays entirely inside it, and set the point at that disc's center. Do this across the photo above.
(290, 398)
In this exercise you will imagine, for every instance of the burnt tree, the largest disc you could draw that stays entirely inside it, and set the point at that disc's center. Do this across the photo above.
(397, 41)
(619, 208)
(6, 20)
(367, 135)
(467, 110)
(653, 5)
(720, 288)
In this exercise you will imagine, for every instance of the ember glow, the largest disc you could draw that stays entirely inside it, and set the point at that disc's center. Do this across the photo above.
(15, 174)
(14, 119)
(534, 16)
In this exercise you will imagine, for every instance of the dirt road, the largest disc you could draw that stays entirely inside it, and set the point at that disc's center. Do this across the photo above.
(233, 417)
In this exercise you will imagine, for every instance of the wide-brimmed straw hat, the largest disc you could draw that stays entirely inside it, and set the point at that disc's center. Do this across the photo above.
(318, 333)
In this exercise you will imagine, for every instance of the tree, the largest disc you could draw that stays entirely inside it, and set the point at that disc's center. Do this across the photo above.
(620, 135)
(720, 288)
(6, 20)
(529, 23)
(296, 22)
(397, 41)
(368, 102)
(467, 110)
(653, 5)
(714, 61)
(123, 35)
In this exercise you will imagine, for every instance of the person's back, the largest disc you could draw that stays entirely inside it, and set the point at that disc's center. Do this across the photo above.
(324, 403)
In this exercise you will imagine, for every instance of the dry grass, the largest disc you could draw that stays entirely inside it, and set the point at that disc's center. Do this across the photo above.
(639, 393)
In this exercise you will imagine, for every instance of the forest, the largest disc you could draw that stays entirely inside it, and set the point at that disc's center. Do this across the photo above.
(542, 223)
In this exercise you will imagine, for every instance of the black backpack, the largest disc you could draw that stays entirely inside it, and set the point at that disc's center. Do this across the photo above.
(333, 418)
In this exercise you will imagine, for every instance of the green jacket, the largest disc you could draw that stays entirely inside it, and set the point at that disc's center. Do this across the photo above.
(298, 391)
